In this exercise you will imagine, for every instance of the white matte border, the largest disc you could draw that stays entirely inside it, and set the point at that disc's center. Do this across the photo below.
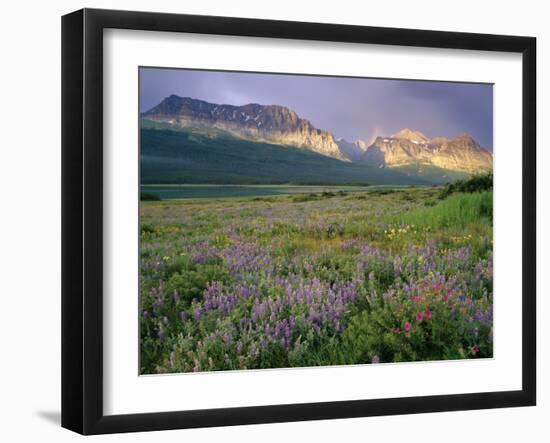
(126, 392)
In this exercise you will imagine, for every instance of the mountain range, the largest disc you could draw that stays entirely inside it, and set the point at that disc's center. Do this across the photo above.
(407, 153)
(407, 147)
(272, 124)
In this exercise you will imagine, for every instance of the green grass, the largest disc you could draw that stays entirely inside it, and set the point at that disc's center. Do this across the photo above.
(457, 210)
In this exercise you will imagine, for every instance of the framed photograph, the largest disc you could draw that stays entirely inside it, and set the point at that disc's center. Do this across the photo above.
(269, 221)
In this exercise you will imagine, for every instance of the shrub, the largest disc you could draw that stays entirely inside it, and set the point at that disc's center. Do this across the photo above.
(146, 228)
(189, 284)
(148, 196)
(382, 191)
(476, 183)
(305, 198)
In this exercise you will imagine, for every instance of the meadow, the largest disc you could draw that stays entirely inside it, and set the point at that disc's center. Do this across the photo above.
(316, 278)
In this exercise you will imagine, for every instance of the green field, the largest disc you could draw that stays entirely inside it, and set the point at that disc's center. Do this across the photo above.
(235, 278)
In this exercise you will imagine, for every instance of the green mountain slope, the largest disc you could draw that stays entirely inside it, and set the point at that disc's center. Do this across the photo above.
(430, 173)
(212, 156)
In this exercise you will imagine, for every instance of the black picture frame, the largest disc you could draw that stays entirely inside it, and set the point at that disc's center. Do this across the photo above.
(82, 218)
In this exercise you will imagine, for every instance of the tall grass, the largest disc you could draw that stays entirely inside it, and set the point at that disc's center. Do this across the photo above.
(457, 210)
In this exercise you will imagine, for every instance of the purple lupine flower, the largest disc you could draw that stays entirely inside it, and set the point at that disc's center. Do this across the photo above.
(157, 295)
(253, 350)
(227, 337)
(198, 314)
(277, 302)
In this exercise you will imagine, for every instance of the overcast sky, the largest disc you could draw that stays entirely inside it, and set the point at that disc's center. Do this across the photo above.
(352, 108)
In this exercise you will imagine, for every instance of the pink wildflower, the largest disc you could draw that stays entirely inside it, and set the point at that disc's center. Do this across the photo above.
(419, 316)
(408, 326)
(428, 314)
(475, 349)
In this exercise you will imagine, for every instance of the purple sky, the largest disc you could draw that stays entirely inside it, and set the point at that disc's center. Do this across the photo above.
(352, 108)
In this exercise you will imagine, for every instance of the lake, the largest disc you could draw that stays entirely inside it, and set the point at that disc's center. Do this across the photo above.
(176, 192)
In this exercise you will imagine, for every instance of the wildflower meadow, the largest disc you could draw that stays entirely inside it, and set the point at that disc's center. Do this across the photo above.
(316, 279)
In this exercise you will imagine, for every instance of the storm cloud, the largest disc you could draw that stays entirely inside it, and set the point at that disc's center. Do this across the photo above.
(352, 108)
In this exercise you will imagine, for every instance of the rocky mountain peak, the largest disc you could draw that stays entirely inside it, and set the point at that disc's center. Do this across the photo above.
(269, 123)
(409, 147)
(465, 138)
(409, 134)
